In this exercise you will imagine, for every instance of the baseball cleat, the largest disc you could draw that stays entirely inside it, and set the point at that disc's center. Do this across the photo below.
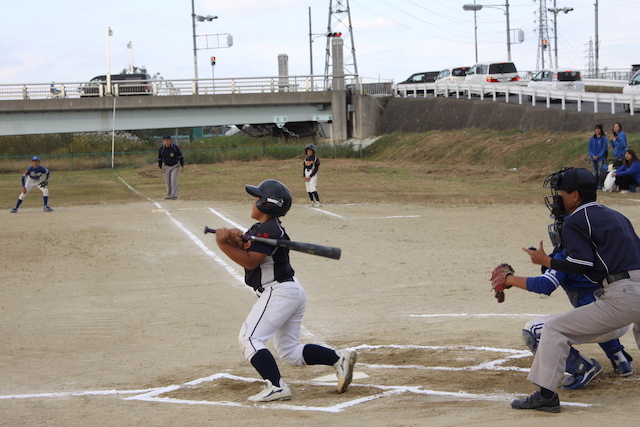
(583, 378)
(313, 204)
(271, 393)
(539, 403)
(319, 204)
(624, 369)
(344, 369)
(14, 210)
(47, 209)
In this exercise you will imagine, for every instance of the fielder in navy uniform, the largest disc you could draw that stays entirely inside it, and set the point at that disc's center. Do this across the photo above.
(282, 300)
(310, 167)
(580, 291)
(602, 245)
(32, 177)
(169, 160)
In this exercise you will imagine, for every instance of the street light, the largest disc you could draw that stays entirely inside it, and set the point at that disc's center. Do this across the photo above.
(476, 7)
(555, 10)
(198, 18)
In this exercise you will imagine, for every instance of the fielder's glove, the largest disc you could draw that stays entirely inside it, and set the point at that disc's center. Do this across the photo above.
(499, 279)
(43, 184)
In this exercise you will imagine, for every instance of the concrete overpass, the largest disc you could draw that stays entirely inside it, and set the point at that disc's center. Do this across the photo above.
(322, 101)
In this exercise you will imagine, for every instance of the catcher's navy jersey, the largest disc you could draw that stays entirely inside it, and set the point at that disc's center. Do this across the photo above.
(276, 266)
(35, 173)
(602, 240)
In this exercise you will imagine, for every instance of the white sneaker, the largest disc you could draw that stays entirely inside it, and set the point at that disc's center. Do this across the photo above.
(319, 204)
(271, 393)
(312, 204)
(624, 191)
(344, 369)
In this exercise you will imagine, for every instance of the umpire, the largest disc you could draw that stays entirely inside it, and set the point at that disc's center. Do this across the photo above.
(169, 159)
(601, 244)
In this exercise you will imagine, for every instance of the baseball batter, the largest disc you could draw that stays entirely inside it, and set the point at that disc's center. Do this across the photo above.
(282, 300)
(32, 177)
(602, 245)
(310, 168)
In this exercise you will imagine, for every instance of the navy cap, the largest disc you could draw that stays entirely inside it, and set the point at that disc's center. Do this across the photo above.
(34, 158)
(166, 137)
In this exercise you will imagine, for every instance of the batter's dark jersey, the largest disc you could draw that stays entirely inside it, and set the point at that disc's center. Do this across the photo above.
(275, 266)
(602, 240)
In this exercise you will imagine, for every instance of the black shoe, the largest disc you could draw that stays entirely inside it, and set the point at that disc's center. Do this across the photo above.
(539, 403)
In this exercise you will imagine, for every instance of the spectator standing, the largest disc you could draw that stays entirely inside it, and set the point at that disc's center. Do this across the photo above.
(598, 153)
(618, 141)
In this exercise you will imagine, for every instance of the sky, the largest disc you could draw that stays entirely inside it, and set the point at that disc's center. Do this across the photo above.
(65, 41)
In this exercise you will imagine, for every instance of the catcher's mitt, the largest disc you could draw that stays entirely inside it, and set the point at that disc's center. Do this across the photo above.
(499, 278)
(43, 184)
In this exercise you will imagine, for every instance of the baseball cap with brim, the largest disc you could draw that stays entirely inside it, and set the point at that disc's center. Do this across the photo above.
(166, 137)
(34, 158)
(579, 179)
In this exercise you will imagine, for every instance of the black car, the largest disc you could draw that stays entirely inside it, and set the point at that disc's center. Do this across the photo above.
(407, 86)
(121, 84)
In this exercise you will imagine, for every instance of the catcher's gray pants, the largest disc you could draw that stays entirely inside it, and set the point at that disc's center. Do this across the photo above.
(171, 179)
(617, 305)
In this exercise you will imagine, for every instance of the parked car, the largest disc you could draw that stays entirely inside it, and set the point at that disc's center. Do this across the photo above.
(452, 76)
(560, 79)
(408, 86)
(632, 88)
(121, 84)
(493, 72)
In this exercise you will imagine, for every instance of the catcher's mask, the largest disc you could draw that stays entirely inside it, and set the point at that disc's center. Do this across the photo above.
(555, 233)
(569, 180)
(274, 197)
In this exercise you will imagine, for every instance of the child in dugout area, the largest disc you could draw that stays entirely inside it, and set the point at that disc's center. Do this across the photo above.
(279, 310)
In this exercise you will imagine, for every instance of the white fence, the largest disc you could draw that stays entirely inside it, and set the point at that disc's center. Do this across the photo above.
(630, 103)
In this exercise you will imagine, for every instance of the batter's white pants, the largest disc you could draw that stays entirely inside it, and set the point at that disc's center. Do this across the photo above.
(29, 184)
(278, 314)
(312, 183)
(615, 308)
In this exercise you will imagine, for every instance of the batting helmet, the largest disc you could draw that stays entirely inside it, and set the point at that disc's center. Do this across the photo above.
(310, 146)
(274, 197)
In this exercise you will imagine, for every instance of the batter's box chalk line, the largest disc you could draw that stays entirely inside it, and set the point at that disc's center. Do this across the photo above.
(378, 391)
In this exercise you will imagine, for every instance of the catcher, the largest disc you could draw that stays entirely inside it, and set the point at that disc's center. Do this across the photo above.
(580, 292)
(33, 177)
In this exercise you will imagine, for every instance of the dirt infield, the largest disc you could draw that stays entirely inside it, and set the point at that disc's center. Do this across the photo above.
(128, 315)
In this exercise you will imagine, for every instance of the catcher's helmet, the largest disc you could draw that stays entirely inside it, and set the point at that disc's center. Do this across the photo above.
(310, 146)
(580, 180)
(275, 197)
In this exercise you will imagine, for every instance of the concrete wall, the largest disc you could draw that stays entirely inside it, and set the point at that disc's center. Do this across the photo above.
(423, 114)
(367, 111)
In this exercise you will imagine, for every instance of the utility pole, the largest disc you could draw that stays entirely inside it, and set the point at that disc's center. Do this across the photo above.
(597, 47)
(339, 11)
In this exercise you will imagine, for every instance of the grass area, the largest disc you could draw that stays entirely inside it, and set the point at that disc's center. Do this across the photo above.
(467, 167)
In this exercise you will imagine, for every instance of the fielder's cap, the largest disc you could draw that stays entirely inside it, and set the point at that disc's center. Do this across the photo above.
(166, 137)
(34, 158)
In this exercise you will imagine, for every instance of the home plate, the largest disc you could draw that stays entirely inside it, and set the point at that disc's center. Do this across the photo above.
(158, 210)
(333, 377)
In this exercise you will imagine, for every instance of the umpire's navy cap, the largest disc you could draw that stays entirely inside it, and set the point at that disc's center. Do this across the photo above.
(166, 137)
(579, 179)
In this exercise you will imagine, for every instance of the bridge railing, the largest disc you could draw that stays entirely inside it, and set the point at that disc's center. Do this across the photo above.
(161, 87)
(630, 103)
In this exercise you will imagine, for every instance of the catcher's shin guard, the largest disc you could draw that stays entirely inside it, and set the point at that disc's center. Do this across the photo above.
(576, 363)
(530, 340)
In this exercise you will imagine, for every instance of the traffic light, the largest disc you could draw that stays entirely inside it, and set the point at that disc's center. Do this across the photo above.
(334, 35)
(213, 60)
(545, 44)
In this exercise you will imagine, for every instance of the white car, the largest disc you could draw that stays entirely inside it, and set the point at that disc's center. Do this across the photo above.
(558, 79)
(451, 76)
(632, 88)
(489, 73)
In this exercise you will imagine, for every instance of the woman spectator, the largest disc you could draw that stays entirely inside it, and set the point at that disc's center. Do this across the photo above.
(598, 153)
(628, 175)
(618, 141)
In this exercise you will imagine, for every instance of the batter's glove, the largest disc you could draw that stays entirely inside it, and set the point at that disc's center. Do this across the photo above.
(499, 280)
(43, 184)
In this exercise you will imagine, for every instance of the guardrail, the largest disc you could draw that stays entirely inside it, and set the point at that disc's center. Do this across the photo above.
(630, 103)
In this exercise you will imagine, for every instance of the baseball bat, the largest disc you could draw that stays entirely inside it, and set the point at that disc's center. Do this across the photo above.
(307, 248)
